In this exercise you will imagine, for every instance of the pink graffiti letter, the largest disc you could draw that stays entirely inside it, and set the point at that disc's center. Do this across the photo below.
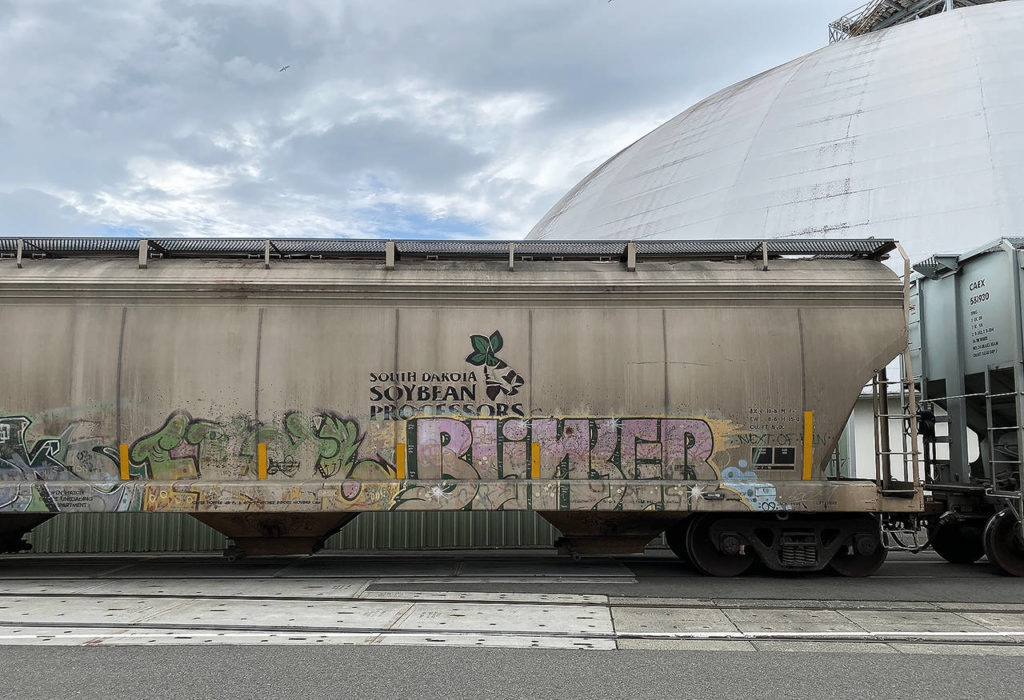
(688, 446)
(572, 447)
(440, 445)
(485, 448)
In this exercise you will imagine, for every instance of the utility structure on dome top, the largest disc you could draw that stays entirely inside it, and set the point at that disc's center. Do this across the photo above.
(881, 14)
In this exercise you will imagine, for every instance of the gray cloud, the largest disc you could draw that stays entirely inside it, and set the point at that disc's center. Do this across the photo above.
(175, 118)
(396, 151)
(31, 212)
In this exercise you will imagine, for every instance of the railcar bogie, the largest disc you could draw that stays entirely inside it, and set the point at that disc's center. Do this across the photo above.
(958, 537)
(727, 544)
(1004, 542)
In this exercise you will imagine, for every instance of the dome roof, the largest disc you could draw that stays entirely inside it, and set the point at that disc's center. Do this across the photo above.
(914, 132)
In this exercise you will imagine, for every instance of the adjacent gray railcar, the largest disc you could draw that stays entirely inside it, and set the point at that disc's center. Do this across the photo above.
(275, 389)
(967, 344)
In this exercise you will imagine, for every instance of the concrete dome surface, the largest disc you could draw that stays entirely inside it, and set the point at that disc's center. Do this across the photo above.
(914, 133)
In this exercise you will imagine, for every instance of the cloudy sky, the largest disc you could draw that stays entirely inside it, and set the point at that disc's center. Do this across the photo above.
(394, 118)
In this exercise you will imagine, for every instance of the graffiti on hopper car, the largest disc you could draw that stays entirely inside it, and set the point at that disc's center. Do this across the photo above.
(327, 461)
(331, 446)
(560, 448)
(188, 448)
(32, 478)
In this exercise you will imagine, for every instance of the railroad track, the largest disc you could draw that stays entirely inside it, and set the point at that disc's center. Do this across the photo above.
(307, 633)
(611, 602)
(370, 616)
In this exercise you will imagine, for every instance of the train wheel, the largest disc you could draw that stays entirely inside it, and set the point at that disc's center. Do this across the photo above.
(867, 556)
(1003, 543)
(675, 536)
(958, 540)
(710, 559)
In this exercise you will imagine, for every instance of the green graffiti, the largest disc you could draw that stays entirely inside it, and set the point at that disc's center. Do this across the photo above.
(170, 452)
(339, 440)
(187, 448)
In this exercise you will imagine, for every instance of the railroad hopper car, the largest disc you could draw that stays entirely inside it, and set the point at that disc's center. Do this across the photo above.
(275, 389)
(967, 344)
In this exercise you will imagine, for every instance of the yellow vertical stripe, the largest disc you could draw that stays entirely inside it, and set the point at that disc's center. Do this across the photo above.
(261, 463)
(808, 442)
(534, 460)
(400, 460)
(124, 462)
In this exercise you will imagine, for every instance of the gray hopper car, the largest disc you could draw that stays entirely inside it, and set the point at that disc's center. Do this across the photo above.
(967, 343)
(275, 389)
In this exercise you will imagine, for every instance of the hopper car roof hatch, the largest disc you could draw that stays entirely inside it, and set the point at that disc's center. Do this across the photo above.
(351, 248)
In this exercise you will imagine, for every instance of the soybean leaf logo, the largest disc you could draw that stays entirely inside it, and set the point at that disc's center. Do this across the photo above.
(485, 350)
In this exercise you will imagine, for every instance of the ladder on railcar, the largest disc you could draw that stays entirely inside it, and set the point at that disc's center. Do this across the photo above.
(908, 452)
(1004, 387)
(896, 531)
(899, 532)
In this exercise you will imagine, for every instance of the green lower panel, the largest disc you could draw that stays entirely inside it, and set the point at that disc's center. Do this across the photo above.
(124, 532)
(433, 530)
(177, 532)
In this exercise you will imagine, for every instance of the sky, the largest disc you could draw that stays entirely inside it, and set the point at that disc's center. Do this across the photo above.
(362, 118)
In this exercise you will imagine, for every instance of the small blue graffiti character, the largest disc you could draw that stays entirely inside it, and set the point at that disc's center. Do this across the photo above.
(761, 495)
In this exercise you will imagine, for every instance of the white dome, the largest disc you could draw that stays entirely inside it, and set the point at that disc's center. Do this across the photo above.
(914, 133)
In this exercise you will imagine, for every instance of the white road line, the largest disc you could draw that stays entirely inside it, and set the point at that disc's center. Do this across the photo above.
(150, 635)
(696, 635)
(817, 635)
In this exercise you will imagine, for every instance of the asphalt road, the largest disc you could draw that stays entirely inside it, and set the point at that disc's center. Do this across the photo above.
(424, 672)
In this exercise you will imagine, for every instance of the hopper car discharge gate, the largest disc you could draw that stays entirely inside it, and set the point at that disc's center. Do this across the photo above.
(274, 389)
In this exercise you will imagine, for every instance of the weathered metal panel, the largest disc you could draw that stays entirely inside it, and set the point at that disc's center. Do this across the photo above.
(976, 307)
(302, 353)
(178, 532)
(583, 358)
(199, 360)
(988, 310)
(124, 532)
